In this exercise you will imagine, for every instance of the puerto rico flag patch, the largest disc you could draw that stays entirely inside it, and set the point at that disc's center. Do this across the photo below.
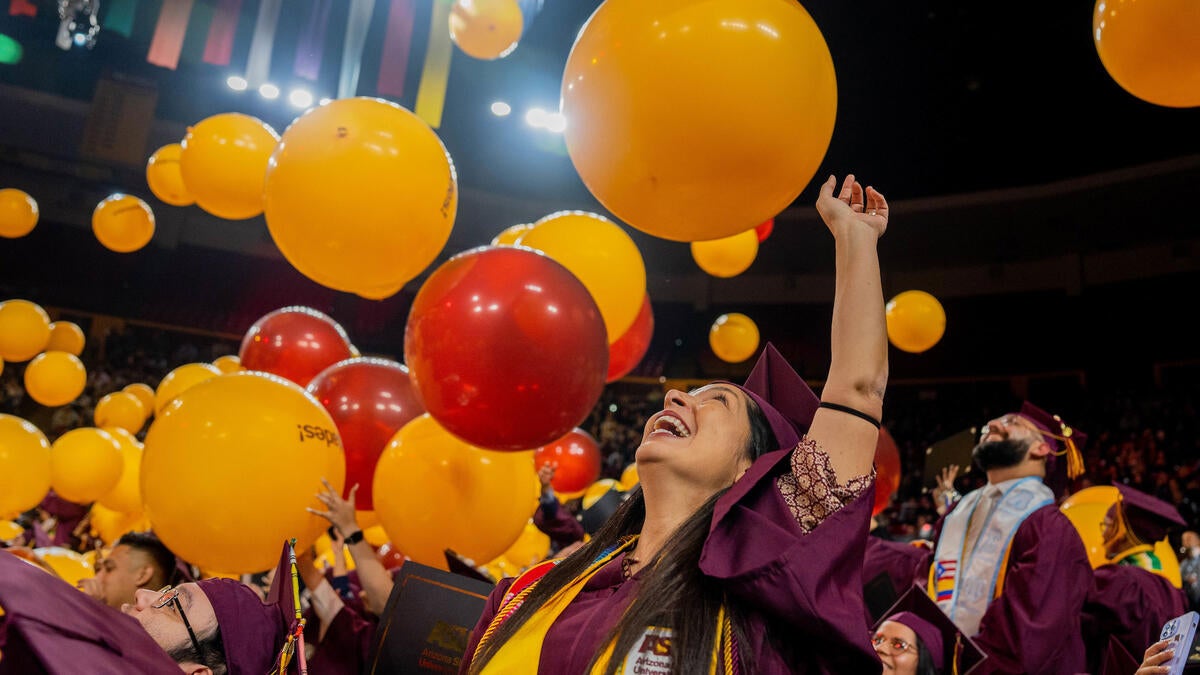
(943, 579)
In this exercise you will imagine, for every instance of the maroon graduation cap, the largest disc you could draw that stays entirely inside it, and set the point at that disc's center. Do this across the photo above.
(1147, 517)
(784, 397)
(950, 649)
(1065, 461)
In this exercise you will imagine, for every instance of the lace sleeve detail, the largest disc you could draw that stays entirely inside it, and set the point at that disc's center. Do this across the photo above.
(811, 490)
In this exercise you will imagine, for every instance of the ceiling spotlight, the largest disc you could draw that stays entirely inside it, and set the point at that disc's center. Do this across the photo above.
(300, 98)
(326, 101)
(536, 118)
(501, 109)
(236, 82)
(269, 91)
(556, 122)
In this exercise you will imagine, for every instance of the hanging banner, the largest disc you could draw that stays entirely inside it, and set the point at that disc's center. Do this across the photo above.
(169, 33)
(218, 48)
(118, 17)
(193, 43)
(357, 24)
(397, 42)
(311, 46)
(431, 93)
(258, 62)
(22, 8)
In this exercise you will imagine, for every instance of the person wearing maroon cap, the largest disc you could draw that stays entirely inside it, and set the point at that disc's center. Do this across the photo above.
(916, 638)
(1007, 566)
(1131, 598)
(740, 551)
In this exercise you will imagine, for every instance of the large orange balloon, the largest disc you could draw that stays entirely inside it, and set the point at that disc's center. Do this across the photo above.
(55, 378)
(123, 223)
(224, 163)
(915, 321)
(180, 380)
(486, 29)
(657, 98)
(425, 467)
(121, 409)
(726, 257)
(24, 330)
(18, 213)
(251, 449)
(1151, 48)
(629, 349)
(85, 464)
(887, 471)
(733, 337)
(126, 495)
(165, 178)
(361, 196)
(602, 256)
(24, 465)
(65, 336)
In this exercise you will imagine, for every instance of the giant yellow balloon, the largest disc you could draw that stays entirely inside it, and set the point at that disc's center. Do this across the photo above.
(529, 549)
(602, 256)
(85, 464)
(915, 321)
(726, 257)
(109, 525)
(509, 235)
(733, 337)
(361, 195)
(65, 336)
(144, 393)
(165, 178)
(486, 29)
(424, 468)
(698, 120)
(24, 330)
(55, 378)
(18, 213)
(180, 380)
(126, 495)
(1087, 508)
(123, 223)
(24, 465)
(230, 466)
(70, 566)
(224, 162)
(1151, 48)
(120, 409)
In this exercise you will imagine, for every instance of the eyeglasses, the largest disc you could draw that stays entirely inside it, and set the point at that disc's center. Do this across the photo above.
(897, 645)
(1009, 421)
(169, 595)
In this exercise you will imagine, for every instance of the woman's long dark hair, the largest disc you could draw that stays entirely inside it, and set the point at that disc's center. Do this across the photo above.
(673, 593)
(925, 661)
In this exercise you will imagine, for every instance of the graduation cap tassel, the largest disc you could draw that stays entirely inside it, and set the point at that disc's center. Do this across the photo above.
(299, 615)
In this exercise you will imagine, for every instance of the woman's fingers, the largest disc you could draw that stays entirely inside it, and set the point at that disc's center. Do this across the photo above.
(847, 189)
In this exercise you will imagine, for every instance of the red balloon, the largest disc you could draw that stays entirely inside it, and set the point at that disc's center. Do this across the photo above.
(887, 471)
(391, 557)
(295, 343)
(577, 457)
(507, 348)
(369, 400)
(629, 349)
(764, 230)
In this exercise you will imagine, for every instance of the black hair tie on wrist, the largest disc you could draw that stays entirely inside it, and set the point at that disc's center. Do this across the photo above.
(851, 411)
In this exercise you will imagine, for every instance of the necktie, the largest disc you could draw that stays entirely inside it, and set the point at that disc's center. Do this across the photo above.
(991, 495)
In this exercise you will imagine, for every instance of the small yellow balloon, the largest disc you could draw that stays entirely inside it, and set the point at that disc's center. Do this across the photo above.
(65, 336)
(120, 409)
(915, 321)
(733, 337)
(165, 177)
(144, 393)
(85, 464)
(486, 29)
(375, 535)
(532, 547)
(596, 490)
(24, 330)
(629, 477)
(230, 363)
(325, 558)
(55, 378)
(224, 164)
(18, 213)
(123, 223)
(10, 531)
(726, 257)
(510, 235)
(69, 565)
(109, 525)
(180, 380)
(126, 495)
(602, 256)
(24, 466)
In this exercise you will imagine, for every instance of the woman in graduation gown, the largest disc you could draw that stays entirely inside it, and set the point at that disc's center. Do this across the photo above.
(741, 550)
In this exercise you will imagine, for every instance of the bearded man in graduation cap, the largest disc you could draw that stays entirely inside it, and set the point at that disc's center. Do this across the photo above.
(217, 626)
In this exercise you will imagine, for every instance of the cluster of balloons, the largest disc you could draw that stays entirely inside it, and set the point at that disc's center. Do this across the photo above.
(916, 321)
(1151, 49)
(55, 375)
(733, 337)
(714, 172)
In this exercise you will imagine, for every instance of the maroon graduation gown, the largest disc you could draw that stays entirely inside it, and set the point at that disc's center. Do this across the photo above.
(562, 527)
(900, 561)
(804, 588)
(1131, 605)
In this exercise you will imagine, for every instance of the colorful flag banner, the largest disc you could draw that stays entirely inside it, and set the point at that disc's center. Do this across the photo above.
(397, 41)
(169, 33)
(431, 93)
(357, 24)
(258, 62)
(310, 48)
(193, 43)
(118, 17)
(218, 48)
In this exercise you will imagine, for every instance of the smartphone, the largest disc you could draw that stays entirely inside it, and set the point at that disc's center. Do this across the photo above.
(1181, 632)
